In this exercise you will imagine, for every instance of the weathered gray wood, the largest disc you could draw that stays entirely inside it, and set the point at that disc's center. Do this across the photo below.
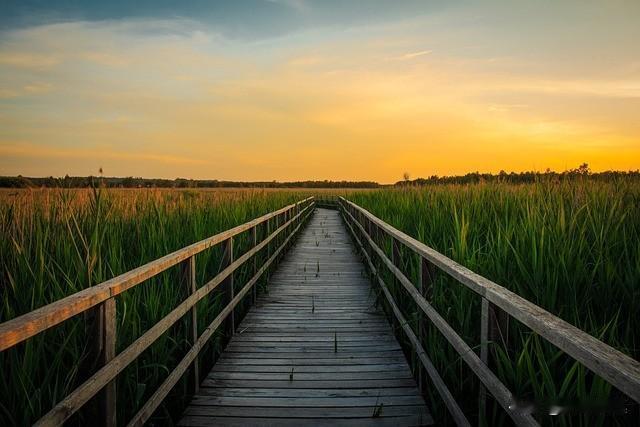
(327, 392)
(387, 367)
(341, 410)
(23, 327)
(315, 402)
(620, 370)
(70, 404)
(314, 361)
(316, 385)
(254, 239)
(317, 330)
(500, 392)
(109, 337)
(451, 404)
(228, 286)
(381, 421)
(102, 323)
(425, 286)
(154, 401)
(189, 277)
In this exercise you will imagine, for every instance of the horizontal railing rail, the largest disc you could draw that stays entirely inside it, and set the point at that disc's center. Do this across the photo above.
(101, 298)
(620, 370)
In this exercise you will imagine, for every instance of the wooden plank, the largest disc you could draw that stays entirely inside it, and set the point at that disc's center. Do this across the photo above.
(386, 367)
(452, 406)
(154, 401)
(381, 383)
(300, 411)
(317, 402)
(109, 336)
(23, 327)
(70, 404)
(227, 286)
(294, 375)
(207, 421)
(620, 370)
(314, 346)
(329, 392)
(499, 391)
(316, 361)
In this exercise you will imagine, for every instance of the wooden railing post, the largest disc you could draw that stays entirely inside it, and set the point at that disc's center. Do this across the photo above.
(102, 331)
(397, 261)
(107, 338)
(227, 286)
(425, 286)
(189, 279)
(494, 328)
(254, 239)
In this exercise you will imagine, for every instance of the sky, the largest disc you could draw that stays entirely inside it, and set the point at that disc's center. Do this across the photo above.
(317, 89)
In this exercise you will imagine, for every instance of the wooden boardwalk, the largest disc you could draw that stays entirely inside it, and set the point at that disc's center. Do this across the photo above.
(314, 350)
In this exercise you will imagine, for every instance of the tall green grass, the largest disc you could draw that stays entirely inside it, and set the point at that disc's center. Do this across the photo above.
(572, 248)
(56, 242)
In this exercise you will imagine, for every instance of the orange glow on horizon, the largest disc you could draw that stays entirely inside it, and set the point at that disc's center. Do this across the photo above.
(361, 105)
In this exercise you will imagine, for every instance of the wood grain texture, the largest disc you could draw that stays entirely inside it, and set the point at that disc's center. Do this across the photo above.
(499, 391)
(617, 368)
(77, 398)
(23, 327)
(314, 349)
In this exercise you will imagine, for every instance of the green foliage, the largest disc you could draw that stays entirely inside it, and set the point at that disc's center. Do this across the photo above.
(571, 247)
(57, 242)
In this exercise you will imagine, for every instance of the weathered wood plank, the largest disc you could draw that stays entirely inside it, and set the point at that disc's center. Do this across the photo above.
(329, 392)
(452, 406)
(500, 392)
(350, 384)
(23, 327)
(318, 402)
(620, 370)
(387, 367)
(315, 347)
(154, 401)
(294, 411)
(70, 404)
(197, 421)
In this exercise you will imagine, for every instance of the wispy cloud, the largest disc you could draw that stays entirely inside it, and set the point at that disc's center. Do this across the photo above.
(160, 98)
(412, 55)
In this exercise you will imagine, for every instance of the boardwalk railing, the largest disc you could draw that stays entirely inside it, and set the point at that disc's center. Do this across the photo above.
(282, 224)
(498, 303)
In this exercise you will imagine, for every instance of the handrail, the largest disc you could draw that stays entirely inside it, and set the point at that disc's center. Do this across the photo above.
(25, 326)
(441, 387)
(620, 370)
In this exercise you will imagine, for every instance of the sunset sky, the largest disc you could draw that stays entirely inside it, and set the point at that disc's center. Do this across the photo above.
(317, 89)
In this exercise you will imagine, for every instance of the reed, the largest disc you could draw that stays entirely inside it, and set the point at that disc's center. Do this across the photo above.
(570, 247)
(56, 242)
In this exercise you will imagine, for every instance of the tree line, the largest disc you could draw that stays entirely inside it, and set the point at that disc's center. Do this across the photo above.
(139, 182)
(581, 172)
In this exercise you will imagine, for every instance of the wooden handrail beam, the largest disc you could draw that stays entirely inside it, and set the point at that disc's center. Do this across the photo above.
(620, 370)
(154, 401)
(74, 401)
(23, 327)
(449, 401)
(499, 391)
